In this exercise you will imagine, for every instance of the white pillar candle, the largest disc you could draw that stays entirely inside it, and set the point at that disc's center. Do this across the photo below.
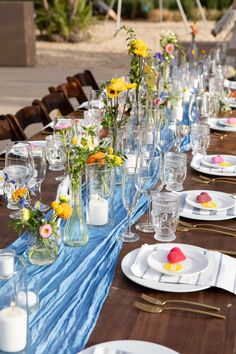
(6, 265)
(13, 329)
(177, 112)
(31, 296)
(98, 211)
(186, 95)
(131, 161)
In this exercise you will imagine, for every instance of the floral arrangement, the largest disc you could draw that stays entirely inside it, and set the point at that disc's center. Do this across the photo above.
(34, 220)
(114, 114)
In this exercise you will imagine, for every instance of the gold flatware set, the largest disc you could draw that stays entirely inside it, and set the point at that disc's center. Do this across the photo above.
(207, 180)
(158, 306)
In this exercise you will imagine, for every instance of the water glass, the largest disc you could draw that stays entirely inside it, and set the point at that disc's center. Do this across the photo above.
(199, 138)
(55, 153)
(165, 215)
(175, 170)
(32, 295)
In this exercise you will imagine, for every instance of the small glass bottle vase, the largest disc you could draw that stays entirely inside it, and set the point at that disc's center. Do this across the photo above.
(100, 189)
(43, 251)
(76, 231)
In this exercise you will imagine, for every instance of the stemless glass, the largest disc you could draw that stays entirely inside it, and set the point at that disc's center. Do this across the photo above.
(40, 167)
(200, 138)
(165, 215)
(55, 152)
(19, 167)
(130, 196)
(175, 170)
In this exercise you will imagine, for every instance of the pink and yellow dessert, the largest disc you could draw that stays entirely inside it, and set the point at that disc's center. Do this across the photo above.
(217, 159)
(206, 200)
(174, 257)
(231, 120)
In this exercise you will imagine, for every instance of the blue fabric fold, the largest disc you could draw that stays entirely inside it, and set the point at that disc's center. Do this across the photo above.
(73, 289)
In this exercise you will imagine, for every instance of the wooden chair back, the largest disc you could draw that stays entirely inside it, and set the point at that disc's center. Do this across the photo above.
(55, 101)
(9, 129)
(71, 89)
(86, 79)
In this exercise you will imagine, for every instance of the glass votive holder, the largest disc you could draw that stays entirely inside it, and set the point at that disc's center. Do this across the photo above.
(100, 189)
(55, 152)
(6, 263)
(199, 138)
(31, 296)
(175, 170)
(165, 215)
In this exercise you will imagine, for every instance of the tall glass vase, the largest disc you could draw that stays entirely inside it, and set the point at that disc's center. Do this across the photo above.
(76, 231)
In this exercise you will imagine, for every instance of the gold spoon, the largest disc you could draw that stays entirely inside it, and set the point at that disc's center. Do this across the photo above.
(188, 224)
(186, 229)
(161, 302)
(158, 309)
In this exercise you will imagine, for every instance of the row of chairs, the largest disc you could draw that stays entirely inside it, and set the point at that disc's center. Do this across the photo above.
(13, 126)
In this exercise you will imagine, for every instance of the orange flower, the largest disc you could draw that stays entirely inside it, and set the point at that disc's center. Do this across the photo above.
(20, 193)
(64, 211)
(194, 29)
(97, 157)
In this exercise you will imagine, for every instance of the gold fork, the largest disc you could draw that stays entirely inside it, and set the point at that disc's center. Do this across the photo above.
(220, 136)
(217, 178)
(186, 229)
(188, 224)
(198, 179)
(158, 309)
(161, 302)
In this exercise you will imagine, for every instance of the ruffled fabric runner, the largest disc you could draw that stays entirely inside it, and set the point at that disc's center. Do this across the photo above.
(73, 289)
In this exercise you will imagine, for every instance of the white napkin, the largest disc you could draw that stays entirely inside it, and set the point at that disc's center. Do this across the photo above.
(197, 164)
(186, 209)
(220, 273)
(102, 350)
(63, 187)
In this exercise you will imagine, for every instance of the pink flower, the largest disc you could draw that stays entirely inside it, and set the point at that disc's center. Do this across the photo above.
(158, 101)
(62, 126)
(168, 105)
(169, 48)
(45, 230)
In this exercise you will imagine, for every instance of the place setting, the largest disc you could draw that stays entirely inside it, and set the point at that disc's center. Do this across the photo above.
(223, 124)
(217, 164)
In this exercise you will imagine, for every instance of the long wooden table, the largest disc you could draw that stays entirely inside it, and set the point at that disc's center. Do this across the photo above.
(184, 332)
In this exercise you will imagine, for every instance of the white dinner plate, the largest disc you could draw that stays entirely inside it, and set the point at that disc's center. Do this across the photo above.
(227, 158)
(224, 201)
(129, 259)
(194, 263)
(230, 101)
(215, 124)
(190, 212)
(224, 121)
(131, 346)
(198, 165)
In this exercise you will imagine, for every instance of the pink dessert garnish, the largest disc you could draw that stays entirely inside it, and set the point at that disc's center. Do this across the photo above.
(176, 255)
(203, 197)
(231, 120)
(217, 159)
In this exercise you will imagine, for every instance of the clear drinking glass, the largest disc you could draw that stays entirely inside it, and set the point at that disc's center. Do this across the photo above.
(40, 168)
(130, 196)
(175, 170)
(199, 138)
(55, 152)
(19, 167)
(165, 215)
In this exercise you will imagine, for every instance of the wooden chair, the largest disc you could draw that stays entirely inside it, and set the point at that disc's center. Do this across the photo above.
(30, 115)
(85, 79)
(10, 130)
(55, 101)
(71, 90)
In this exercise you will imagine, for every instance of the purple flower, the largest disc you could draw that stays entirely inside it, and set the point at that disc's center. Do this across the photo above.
(163, 95)
(159, 57)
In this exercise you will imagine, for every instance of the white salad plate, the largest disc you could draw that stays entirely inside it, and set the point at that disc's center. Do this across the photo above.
(129, 347)
(227, 158)
(223, 200)
(129, 259)
(198, 165)
(190, 212)
(215, 124)
(195, 261)
(224, 122)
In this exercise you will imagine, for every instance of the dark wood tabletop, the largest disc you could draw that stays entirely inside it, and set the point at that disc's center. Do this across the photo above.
(184, 332)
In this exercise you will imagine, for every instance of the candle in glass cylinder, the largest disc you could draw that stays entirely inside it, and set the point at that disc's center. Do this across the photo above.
(98, 211)
(13, 329)
(6, 265)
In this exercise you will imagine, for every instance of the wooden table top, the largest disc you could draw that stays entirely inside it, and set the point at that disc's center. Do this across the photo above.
(184, 332)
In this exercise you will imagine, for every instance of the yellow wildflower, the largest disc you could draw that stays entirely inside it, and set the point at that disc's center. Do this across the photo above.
(25, 213)
(74, 140)
(116, 87)
(203, 51)
(140, 48)
(63, 198)
(193, 52)
(110, 150)
(64, 211)
(54, 205)
(131, 86)
(116, 159)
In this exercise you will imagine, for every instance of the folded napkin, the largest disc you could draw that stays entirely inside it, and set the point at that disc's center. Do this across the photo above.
(186, 209)
(221, 271)
(63, 187)
(197, 164)
(101, 350)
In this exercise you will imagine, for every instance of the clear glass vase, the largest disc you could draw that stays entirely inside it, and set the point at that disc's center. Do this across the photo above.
(76, 231)
(43, 251)
(100, 189)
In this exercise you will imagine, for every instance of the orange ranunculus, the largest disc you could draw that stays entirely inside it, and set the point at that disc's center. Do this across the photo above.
(194, 29)
(64, 211)
(20, 193)
(97, 157)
